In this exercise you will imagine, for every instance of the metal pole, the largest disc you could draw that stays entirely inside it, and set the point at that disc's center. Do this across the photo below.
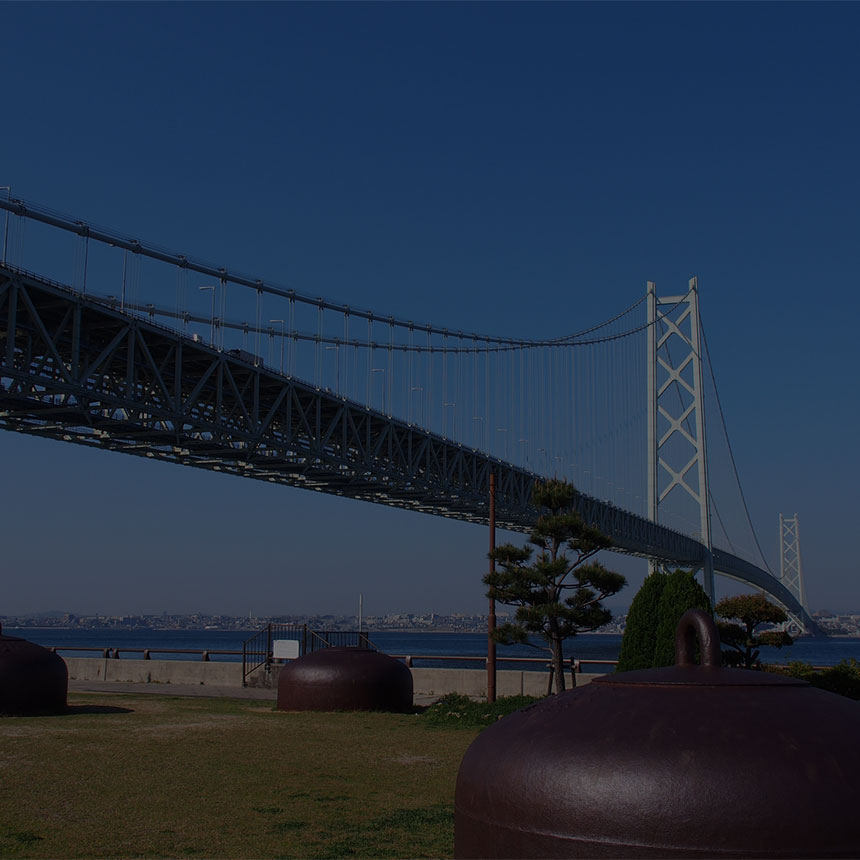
(491, 619)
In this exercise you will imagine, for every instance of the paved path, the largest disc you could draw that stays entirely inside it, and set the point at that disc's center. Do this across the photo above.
(205, 691)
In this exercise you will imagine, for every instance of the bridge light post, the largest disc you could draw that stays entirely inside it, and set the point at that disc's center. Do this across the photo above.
(282, 341)
(211, 315)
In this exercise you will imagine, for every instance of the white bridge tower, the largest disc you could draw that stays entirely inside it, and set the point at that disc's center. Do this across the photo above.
(790, 569)
(677, 461)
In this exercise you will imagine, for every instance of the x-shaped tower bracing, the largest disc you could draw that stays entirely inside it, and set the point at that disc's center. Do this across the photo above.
(790, 569)
(676, 415)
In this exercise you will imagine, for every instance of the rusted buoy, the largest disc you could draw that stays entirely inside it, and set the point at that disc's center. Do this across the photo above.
(345, 679)
(687, 761)
(33, 680)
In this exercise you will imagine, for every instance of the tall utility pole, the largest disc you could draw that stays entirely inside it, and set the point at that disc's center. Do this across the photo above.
(491, 618)
(676, 411)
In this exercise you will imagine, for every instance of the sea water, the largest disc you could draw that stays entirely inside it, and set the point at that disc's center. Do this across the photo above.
(585, 646)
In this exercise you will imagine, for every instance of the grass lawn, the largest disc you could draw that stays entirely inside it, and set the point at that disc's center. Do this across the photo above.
(158, 776)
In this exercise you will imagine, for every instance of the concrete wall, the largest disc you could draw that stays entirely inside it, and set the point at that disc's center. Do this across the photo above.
(473, 682)
(155, 671)
(431, 682)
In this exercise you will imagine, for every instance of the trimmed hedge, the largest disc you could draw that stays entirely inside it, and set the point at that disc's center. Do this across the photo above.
(682, 592)
(640, 630)
(649, 634)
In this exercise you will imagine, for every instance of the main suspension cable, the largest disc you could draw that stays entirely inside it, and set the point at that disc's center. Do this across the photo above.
(731, 453)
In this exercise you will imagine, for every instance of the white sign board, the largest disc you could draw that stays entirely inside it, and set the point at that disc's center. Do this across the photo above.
(285, 649)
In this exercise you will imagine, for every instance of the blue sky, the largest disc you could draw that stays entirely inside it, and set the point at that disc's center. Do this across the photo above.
(515, 168)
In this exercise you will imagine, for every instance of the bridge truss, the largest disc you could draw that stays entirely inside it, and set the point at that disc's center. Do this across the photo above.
(76, 368)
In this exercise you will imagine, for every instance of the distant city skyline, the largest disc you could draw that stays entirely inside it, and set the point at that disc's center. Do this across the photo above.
(833, 624)
(515, 168)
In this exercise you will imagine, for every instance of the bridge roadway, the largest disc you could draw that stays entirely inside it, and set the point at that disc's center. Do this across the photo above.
(76, 368)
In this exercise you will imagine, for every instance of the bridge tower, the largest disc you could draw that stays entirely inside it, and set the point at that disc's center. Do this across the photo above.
(677, 456)
(790, 569)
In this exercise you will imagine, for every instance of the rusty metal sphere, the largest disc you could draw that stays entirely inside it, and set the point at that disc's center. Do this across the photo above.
(345, 679)
(687, 761)
(33, 680)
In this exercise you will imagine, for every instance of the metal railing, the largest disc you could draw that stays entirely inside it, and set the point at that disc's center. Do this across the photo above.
(319, 639)
(114, 653)
(259, 649)
(575, 665)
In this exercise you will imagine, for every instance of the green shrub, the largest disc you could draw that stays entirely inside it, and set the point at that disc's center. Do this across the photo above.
(640, 630)
(457, 710)
(681, 592)
(842, 679)
(796, 668)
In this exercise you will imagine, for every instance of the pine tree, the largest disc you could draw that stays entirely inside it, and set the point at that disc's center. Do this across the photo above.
(640, 629)
(681, 592)
(751, 610)
(538, 587)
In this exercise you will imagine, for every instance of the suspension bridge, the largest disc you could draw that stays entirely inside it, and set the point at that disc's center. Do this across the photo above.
(110, 342)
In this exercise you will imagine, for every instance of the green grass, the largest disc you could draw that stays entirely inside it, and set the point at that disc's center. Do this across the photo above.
(157, 776)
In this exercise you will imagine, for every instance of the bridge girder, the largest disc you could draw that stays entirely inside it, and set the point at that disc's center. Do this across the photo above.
(78, 369)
